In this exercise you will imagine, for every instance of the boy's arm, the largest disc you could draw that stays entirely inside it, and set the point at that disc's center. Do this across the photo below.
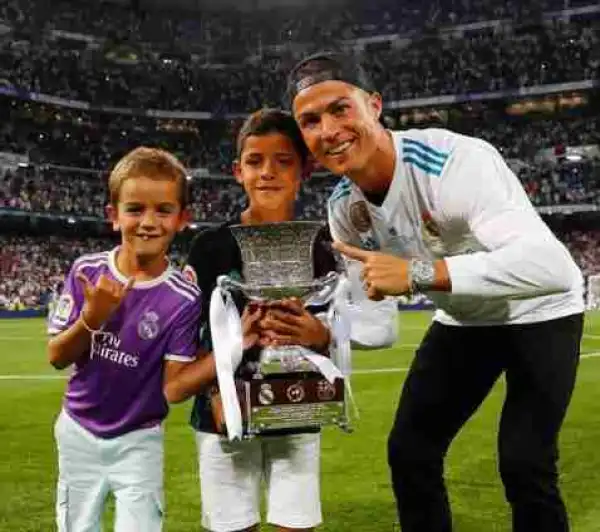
(69, 346)
(83, 307)
(183, 380)
(69, 339)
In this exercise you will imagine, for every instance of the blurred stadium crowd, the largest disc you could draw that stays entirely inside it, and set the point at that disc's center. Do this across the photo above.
(81, 84)
(124, 73)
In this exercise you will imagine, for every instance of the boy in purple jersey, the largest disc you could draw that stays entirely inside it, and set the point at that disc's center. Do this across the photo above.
(128, 323)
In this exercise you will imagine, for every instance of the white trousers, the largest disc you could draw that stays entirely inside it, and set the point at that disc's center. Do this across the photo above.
(129, 466)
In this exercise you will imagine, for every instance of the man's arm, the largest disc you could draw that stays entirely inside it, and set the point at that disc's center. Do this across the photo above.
(523, 257)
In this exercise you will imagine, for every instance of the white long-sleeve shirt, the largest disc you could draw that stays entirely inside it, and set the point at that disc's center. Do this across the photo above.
(454, 197)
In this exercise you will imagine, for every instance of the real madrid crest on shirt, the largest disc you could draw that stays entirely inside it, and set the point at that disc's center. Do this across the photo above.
(362, 222)
(148, 327)
(360, 217)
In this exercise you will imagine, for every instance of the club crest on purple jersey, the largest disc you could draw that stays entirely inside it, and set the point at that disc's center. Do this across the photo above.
(148, 327)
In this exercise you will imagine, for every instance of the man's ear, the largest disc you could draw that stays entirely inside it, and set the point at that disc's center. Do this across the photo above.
(376, 104)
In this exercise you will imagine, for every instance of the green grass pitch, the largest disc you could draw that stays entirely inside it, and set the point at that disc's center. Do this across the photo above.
(355, 483)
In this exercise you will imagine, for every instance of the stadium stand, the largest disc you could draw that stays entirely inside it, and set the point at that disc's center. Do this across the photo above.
(78, 88)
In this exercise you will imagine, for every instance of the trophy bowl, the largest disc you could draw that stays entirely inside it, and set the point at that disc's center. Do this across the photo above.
(277, 260)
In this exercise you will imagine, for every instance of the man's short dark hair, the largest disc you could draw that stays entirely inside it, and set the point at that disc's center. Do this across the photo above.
(327, 66)
(266, 121)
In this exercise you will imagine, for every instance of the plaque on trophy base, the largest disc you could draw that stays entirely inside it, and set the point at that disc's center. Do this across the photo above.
(301, 402)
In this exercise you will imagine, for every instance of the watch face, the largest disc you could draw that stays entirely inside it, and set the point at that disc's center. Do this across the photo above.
(423, 273)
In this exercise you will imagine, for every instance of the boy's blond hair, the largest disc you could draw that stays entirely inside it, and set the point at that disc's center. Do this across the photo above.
(153, 163)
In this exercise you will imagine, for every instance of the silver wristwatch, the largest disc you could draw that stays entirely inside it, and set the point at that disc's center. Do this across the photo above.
(422, 275)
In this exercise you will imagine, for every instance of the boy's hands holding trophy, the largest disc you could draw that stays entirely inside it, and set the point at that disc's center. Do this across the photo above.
(283, 322)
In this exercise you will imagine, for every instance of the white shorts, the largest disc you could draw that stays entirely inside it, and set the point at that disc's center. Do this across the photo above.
(231, 475)
(129, 466)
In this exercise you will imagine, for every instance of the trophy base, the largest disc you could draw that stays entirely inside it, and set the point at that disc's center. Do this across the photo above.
(292, 403)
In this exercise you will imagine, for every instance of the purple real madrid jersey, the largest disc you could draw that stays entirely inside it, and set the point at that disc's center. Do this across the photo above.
(117, 387)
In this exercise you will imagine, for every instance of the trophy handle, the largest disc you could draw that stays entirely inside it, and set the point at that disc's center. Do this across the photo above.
(323, 288)
(232, 285)
(227, 283)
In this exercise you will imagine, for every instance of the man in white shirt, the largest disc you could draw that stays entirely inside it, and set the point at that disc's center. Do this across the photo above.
(430, 211)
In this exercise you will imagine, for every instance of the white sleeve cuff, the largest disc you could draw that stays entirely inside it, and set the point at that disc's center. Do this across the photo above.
(179, 358)
(467, 274)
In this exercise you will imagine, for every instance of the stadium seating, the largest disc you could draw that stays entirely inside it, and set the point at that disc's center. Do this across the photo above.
(80, 87)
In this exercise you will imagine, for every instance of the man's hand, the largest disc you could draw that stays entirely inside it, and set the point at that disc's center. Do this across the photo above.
(102, 299)
(382, 274)
(386, 275)
(287, 322)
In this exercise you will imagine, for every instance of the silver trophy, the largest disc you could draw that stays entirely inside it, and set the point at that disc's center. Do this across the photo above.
(293, 387)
